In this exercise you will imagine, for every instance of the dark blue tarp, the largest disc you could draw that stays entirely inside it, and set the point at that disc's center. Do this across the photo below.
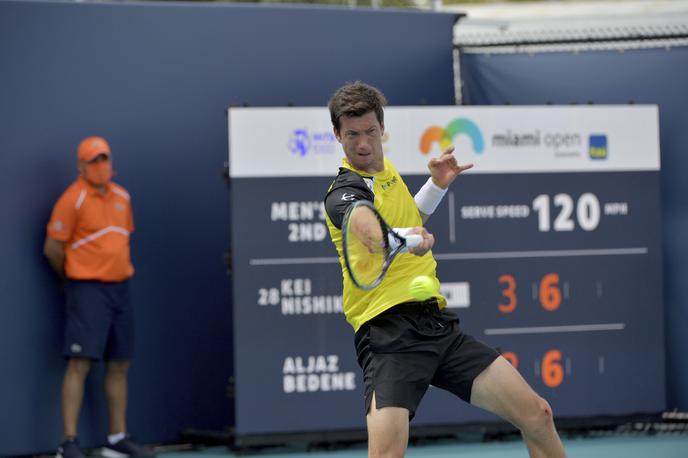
(155, 80)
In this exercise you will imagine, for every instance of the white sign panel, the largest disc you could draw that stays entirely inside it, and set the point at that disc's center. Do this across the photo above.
(300, 141)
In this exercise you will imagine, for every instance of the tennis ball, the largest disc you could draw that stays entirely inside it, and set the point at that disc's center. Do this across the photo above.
(422, 287)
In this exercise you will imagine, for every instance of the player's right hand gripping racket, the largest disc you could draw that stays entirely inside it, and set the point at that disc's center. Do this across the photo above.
(370, 245)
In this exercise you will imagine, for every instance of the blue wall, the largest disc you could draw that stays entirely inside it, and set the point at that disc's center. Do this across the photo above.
(647, 76)
(155, 79)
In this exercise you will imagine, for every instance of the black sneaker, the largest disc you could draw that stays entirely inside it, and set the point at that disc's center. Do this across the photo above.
(69, 449)
(127, 448)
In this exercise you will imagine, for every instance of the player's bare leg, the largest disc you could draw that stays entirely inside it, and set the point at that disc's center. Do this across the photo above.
(501, 390)
(73, 393)
(115, 385)
(388, 431)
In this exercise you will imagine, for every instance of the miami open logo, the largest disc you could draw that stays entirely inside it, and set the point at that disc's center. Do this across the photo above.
(445, 136)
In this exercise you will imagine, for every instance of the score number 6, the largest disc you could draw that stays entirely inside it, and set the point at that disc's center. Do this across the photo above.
(551, 370)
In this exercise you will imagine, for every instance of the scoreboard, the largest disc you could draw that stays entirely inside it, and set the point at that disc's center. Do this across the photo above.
(549, 249)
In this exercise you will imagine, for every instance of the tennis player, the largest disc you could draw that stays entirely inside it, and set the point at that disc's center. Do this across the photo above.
(404, 346)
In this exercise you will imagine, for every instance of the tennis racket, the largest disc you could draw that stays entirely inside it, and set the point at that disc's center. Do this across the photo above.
(370, 245)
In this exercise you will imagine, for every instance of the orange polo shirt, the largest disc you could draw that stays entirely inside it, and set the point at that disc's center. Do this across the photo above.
(96, 230)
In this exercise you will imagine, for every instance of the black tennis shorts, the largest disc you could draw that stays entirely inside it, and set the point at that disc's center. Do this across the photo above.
(413, 345)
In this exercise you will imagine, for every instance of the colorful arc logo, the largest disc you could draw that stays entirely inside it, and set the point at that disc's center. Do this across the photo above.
(445, 136)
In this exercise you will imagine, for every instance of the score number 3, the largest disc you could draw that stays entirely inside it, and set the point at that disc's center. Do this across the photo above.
(509, 292)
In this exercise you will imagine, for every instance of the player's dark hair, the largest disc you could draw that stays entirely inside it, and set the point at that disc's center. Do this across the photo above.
(356, 99)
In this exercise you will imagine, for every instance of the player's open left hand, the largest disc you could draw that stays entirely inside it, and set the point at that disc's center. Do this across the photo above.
(445, 169)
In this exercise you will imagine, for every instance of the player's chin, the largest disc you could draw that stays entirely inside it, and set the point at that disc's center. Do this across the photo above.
(363, 160)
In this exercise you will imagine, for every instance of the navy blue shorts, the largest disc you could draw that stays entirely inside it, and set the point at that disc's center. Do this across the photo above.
(100, 321)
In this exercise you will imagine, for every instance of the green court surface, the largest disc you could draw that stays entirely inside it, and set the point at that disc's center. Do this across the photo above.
(657, 446)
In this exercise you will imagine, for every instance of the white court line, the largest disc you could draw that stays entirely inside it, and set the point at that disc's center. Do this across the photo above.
(483, 255)
(553, 329)
(541, 253)
(282, 261)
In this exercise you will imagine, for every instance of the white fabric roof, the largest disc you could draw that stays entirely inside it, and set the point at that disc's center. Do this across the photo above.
(656, 22)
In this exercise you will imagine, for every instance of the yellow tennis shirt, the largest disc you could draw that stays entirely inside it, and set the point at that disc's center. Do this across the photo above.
(392, 199)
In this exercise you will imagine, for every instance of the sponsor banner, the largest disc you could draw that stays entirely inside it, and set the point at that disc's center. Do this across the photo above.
(266, 142)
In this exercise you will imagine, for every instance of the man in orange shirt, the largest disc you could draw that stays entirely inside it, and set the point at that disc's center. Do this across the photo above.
(87, 244)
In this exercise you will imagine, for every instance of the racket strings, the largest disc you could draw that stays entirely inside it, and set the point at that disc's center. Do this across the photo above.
(367, 246)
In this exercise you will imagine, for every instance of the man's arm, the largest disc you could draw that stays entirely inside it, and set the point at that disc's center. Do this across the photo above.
(443, 171)
(54, 250)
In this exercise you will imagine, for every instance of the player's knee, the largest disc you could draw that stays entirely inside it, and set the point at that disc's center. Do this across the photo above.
(388, 433)
(387, 442)
(118, 367)
(537, 418)
(79, 366)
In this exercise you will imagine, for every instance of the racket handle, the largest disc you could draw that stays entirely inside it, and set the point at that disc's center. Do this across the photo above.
(413, 240)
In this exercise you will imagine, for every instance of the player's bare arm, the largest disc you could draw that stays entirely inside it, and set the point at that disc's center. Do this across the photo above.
(54, 250)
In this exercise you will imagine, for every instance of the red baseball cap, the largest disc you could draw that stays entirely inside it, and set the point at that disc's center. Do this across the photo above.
(90, 147)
